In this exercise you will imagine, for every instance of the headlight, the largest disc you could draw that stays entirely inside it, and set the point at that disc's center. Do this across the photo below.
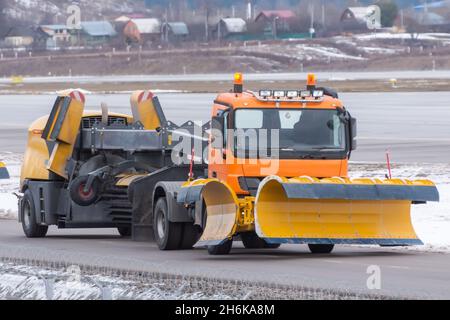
(318, 93)
(265, 93)
(305, 94)
(279, 94)
(292, 94)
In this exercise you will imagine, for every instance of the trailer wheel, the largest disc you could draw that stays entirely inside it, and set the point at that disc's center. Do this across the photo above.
(252, 241)
(222, 249)
(167, 234)
(80, 196)
(124, 231)
(321, 248)
(28, 218)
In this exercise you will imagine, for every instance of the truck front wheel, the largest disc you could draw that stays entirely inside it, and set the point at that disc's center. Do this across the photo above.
(321, 248)
(28, 218)
(167, 234)
(222, 249)
(252, 241)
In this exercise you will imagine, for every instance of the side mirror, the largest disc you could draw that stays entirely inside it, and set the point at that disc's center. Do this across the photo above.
(218, 123)
(354, 133)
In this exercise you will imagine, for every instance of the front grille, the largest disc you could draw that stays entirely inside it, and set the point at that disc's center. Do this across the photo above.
(90, 122)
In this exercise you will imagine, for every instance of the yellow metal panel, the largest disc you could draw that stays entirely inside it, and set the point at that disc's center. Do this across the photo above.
(66, 138)
(144, 111)
(34, 165)
(58, 159)
(71, 126)
(126, 180)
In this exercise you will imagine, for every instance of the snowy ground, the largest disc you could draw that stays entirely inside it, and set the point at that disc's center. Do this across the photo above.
(26, 282)
(431, 221)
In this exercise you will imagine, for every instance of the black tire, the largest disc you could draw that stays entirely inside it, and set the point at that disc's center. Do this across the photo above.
(321, 248)
(81, 198)
(222, 249)
(124, 231)
(191, 235)
(28, 218)
(252, 241)
(167, 234)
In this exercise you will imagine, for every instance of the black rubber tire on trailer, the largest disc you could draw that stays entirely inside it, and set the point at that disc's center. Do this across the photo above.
(321, 248)
(252, 241)
(222, 249)
(191, 235)
(124, 231)
(28, 218)
(81, 198)
(167, 234)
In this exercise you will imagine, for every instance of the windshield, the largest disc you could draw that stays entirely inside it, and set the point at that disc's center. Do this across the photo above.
(307, 131)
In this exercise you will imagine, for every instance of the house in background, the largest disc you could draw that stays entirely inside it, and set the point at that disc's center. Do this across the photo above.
(433, 16)
(143, 31)
(433, 22)
(56, 36)
(230, 28)
(174, 31)
(18, 37)
(354, 19)
(96, 33)
(128, 17)
(275, 22)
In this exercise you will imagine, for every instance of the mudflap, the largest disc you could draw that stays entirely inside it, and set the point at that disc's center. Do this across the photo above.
(340, 211)
(222, 209)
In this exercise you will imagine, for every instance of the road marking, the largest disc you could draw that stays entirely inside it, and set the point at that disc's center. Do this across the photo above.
(399, 267)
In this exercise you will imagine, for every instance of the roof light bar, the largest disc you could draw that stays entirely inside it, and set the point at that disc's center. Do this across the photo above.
(318, 94)
(279, 94)
(292, 94)
(305, 94)
(265, 93)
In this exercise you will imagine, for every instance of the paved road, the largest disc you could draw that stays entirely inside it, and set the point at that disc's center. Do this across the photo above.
(414, 126)
(403, 273)
(445, 74)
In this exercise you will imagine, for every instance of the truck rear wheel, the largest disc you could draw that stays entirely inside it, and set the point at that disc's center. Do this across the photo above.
(252, 241)
(222, 249)
(167, 234)
(321, 248)
(28, 218)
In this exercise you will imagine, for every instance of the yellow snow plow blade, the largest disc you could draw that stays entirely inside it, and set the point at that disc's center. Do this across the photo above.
(339, 211)
(222, 213)
(222, 209)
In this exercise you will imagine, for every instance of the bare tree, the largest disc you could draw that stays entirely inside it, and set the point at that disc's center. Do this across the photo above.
(3, 20)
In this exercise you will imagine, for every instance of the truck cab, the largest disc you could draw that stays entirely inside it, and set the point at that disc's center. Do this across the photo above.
(287, 133)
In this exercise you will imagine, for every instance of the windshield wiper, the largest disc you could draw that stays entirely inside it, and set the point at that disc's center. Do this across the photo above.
(328, 149)
(310, 156)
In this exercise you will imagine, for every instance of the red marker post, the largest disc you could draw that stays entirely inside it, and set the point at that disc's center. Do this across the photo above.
(191, 167)
(388, 161)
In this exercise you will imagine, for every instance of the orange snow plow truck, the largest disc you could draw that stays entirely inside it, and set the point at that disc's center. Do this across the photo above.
(303, 194)
(270, 168)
